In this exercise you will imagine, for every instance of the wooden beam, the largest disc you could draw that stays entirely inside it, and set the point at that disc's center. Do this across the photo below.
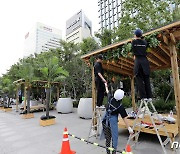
(173, 39)
(152, 61)
(159, 57)
(133, 93)
(127, 61)
(175, 74)
(164, 49)
(165, 39)
(57, 92)
(93, 95)
(117, 70)
(120, 66)
(176, 33)
(17, 97)
(125, 64)
(115, 45)
(160, 68)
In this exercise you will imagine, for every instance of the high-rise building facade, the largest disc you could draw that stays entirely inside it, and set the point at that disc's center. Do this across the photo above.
(78, 27)
(109, 13)
(41, 38)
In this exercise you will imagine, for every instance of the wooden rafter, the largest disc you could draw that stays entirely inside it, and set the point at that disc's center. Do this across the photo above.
(120, 67)
(153, 61)
(125, 64)
(162, 47)
(116, 70)
(126, 60)
(159, 57)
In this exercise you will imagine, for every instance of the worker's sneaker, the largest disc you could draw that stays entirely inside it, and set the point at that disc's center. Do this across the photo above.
(100, 107)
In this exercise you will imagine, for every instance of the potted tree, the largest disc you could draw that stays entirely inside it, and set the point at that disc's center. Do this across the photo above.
(27, 75)
(51, 72)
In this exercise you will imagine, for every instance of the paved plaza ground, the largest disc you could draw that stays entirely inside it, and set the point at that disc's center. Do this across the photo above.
(26, 136)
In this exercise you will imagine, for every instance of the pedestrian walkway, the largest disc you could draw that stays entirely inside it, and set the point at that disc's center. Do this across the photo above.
(26, 136)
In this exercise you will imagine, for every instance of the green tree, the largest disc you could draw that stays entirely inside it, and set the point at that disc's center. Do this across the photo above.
(176, 11)
(143, 14)
(88, 45)
(26, 72)
(51, 71)
(106, 37)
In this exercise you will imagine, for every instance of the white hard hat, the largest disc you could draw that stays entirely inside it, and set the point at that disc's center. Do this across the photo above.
(119, 94)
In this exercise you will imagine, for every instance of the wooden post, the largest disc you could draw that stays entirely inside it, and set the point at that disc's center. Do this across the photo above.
(93, 95)
(175, 74)
(25, 97)
(57, 92)
(17, 98)
(133, 93)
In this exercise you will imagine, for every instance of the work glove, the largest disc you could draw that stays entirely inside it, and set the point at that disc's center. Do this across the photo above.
(130, 130)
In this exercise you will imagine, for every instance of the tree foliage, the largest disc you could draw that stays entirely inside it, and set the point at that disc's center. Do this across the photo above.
(143, 14)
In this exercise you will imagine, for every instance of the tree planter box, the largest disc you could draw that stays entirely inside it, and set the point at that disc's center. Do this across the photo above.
(47, 122)
(1, 108)
(7, 109)
(28, 116)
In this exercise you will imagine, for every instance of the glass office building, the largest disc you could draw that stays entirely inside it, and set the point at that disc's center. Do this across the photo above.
(109, 13)
(78, 27)
(41, 38)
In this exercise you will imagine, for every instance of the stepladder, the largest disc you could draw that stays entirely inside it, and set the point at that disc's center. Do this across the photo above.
(96, 123)
(156, 124)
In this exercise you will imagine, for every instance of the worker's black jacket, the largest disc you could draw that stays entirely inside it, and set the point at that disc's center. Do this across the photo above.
(139, 47)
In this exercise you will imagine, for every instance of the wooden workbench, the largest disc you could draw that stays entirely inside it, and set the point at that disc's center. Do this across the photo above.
(172, 129)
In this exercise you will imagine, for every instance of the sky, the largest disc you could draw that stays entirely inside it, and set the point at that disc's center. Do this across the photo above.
(19, 16)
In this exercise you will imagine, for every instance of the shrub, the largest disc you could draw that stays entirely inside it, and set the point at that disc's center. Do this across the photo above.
(163, 107)
(126, 101)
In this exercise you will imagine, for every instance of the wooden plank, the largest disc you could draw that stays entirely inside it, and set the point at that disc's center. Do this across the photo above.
(93, 95)
(159, 57)
(175, 74)
(165, 39)
(115, 45)
(47, 122)
(57, 92)
(25, 97)
(127, 61)
(153, 61)
(28, 116)
(176, 33)
(164, 49)
(173, 39)
(121, 67)
(7, 109)
(117, 70)
(172, 129)
(125, 64)
(17, 97)
(133, 94)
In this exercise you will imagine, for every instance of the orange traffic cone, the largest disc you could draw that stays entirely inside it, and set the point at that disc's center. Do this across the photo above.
(65, 149)
(128, 149)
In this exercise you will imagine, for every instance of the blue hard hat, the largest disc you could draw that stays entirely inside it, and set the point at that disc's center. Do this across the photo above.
(138, 32)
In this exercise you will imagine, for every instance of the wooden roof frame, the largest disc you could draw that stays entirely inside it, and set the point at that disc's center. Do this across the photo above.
(22, 81)
(164, 56)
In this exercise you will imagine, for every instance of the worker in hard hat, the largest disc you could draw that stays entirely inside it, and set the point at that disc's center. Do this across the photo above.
(110, 120)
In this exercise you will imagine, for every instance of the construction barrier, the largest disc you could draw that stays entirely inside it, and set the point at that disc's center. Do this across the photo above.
(96, 144)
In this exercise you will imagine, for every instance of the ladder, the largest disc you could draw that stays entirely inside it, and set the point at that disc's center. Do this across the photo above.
(144, 109)
(96, 122)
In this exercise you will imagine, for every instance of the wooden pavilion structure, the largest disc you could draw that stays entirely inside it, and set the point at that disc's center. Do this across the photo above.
(34, 83)
(164, 56)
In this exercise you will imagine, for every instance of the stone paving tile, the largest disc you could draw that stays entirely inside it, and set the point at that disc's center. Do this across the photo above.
(26, 136)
